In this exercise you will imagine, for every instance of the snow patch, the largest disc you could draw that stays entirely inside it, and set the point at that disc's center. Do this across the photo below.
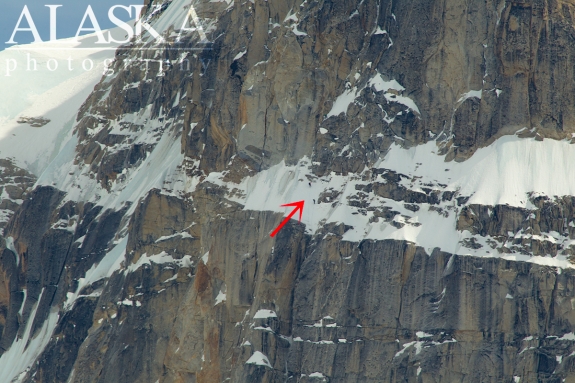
(569, 336)
(240, 55)
(205, 258)
(10, 246)
(343, 101)
(259, 359)
(264, 314)
(159, 259)
(470, 94)
(421, 334)
(111, 262)
(379, 31)
(220, 298)
(18, 359)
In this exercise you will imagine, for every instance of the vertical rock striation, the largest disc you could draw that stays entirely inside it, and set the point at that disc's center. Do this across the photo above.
(149, 258)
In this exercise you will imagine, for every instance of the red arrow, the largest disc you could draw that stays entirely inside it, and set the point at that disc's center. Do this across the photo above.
(298, 206)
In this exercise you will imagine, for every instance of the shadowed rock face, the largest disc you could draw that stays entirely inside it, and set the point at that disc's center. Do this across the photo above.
(201, 288)
(362, 312)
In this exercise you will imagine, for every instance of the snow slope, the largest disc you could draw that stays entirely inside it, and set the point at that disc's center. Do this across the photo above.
(503, 173)
(54, 95)
(23, 352)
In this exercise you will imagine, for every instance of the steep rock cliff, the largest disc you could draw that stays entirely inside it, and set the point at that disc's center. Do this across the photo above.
(430, 141)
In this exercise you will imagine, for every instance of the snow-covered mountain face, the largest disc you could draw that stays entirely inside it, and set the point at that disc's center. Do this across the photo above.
(431, 142)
